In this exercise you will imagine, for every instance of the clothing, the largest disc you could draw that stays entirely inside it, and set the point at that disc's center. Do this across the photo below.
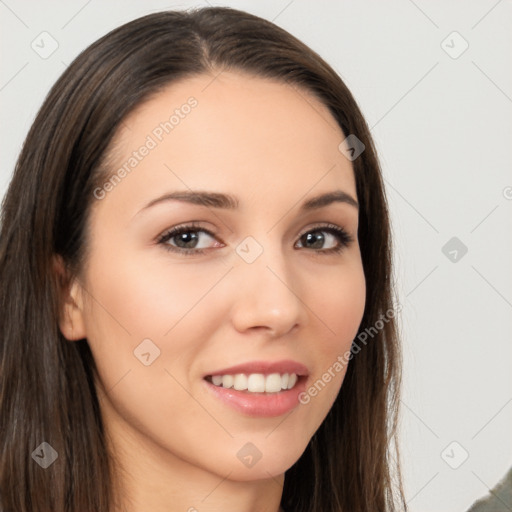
(499, 500)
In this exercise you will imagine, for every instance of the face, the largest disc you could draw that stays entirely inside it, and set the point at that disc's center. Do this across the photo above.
(248, 294)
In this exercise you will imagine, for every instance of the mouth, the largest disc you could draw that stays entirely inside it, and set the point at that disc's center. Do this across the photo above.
(259, 389)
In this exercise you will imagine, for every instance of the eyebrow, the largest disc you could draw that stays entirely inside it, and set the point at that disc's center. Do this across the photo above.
(229, 202)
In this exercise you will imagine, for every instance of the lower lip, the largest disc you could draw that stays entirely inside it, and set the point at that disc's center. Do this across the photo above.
(260, 404)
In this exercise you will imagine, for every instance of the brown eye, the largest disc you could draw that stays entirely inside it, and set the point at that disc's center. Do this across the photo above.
(185, 239)
(316, 238)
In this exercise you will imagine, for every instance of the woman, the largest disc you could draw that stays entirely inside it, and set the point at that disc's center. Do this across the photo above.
(170, 338)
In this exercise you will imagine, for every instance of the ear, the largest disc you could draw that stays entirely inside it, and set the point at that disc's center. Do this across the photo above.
(71, 315)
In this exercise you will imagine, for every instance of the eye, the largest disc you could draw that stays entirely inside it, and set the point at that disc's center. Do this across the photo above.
(185, 239)
(312, 238)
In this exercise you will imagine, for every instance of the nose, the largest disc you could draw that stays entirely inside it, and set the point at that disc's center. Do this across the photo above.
(268, 295)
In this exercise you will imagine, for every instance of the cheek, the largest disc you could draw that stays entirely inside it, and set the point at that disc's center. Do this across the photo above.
(150, 299)
(175, 309)
(339, 304)
(340, 307)
(168, 303)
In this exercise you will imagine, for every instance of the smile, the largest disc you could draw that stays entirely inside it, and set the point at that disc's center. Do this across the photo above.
(255, 382)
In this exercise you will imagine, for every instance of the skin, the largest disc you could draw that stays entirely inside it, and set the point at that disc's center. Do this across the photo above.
(273, 147)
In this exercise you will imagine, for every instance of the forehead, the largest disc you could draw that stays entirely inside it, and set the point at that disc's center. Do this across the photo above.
(218, 131)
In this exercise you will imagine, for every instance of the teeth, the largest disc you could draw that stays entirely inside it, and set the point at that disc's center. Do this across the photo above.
(292, 380)
(273, 383)
(240, 382)
(256, 382)
(227, 381)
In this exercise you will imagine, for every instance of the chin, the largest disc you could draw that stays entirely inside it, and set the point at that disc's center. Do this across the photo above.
(270, 462)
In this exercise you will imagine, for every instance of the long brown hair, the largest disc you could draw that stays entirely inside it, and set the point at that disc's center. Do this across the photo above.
(47, 391)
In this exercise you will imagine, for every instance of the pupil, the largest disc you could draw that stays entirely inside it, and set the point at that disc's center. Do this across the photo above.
(192, 237)
(315, 238)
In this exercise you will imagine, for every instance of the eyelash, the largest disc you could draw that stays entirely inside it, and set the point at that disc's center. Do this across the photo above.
(343, 237)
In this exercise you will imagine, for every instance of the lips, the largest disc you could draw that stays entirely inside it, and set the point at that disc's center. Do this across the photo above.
(259, 388)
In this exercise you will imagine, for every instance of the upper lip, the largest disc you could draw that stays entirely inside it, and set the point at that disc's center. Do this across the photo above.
(265, 367)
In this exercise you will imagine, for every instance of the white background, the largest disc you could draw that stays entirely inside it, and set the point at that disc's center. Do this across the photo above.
(443, 129)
